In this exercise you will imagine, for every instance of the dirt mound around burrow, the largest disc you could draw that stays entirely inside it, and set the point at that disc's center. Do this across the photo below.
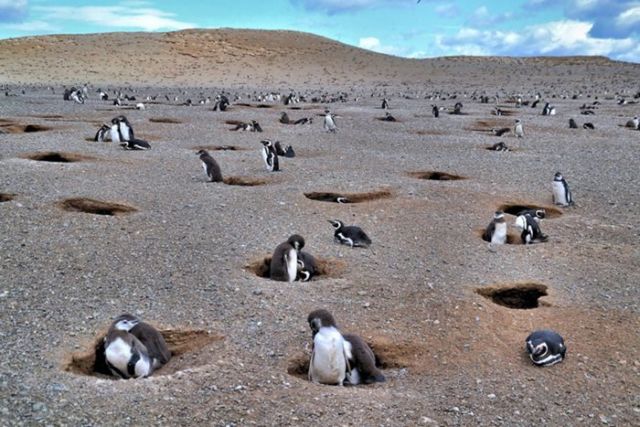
(96, 207)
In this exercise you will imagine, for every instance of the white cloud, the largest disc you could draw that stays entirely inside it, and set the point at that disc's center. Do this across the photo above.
(373, 43)
(146, 19)
(340, 6)
(32, 27)
(13, 10)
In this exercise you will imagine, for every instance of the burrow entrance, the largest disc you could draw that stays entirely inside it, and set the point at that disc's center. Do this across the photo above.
(219, 148)
(6, 197)
(164, 120)
(186, 348)
(57, 157)
(514, 208)
(10, 127)
(522, 296)
(330, 268)
(96, 207)
(349, 197)
(436, 176)
(389, 355)
(243, 181)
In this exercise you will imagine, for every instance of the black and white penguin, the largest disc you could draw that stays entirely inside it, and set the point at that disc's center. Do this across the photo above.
(561, 193)
(286, 152)
(500, 131)
(210, 166)
(496, 231)
(633, 123)
(545, 347)
(284, 262)
(328, 363)
(385, 104)
(124, 128)
(362, 363)
(518, 130)
(307, 266)
(536, 214)
(124, 354)
(270, 156)
(548, 110)
(114, 130)
(388, 118)
(284, 118)
(457, 108)
(588, 125)
(350, 235)
(329, 122)
(530, 229)
(136, 144)
(103, 133)
(435, 111)
(573, 124)
(221, 104)
(499, 146)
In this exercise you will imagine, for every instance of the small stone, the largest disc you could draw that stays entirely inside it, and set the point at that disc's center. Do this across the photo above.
(491, 396)
(39, 407)
(427, 420)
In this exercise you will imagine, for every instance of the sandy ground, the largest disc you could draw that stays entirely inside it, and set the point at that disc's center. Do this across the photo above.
(182, 260)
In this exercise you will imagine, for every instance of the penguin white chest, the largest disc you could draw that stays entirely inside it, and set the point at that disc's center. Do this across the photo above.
(124, 129)
(113, 132)
(500, 234)
(328, 364)
(265, 157)
(559, 194)
(291, 259)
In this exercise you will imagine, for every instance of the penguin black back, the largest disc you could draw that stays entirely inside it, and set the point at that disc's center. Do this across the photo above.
(210, 166)
(363, 360)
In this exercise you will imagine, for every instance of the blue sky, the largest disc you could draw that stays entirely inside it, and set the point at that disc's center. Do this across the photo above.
(406, 28)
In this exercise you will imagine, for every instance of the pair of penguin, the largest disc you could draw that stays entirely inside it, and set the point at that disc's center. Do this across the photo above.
(337, 358)
(528, 221)
(121, 131)
(270, 152)
(548, 110)
(290, 263)
(134, 349)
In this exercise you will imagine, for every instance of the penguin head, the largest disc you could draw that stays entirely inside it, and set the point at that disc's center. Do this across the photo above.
(342, 199)
(517, 121)
(337, 224)
(540, 213)
(320, 319)
(297, 241)
(125, 322)
(115, 120)
(267, 143)
(202, 153)
(557, 177)
(537, 348)
(498, 215)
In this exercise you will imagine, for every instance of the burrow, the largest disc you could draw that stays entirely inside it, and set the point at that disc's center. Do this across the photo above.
(436, 176)
(521, 296)
(18, 128)
(349, 197)
(57, 157)
(96, 207)
(243, 181)
(164, 120)
(326, 268)
(186, 346)
(389, 355)
(6, 197)
(514, 208)
(219, 148)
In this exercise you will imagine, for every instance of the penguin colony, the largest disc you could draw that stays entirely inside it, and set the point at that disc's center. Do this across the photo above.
(134, 349)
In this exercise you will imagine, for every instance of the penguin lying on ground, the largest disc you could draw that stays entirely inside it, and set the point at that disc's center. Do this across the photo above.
(350, 235)
(545, 347)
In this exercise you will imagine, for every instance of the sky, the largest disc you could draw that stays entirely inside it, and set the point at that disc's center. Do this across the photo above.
(407, 28)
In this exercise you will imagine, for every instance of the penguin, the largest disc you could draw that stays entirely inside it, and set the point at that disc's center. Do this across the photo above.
(457, 108)
(530, 229)
(545, 347)
(284, 262)
(500, 131)
(499, 146)
(496, 231)
(385, 104)
(286, 152)
(77, 97)
(633, 123)
(124, 354)
(102, 133)
(114, 131)
(548, 110)
(307, 266)
(536, 214)
(255, 126)
(153, 340)
(331, 352)
(140, 106)
(435, 111)
(103, 96)
(362, 363)
(210, 166)
(329, 122)
(534, 104)
(388, 118)
(518, 129)
(350, 235)
(125, 129)
(561, 193)
(270, 156)
(573, 124)
(136, 144)
(588, 125)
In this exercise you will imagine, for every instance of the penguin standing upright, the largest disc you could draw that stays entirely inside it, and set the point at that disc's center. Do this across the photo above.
(573, 124)
(114, 131)
(561, 193)
(103, 133)
(496, 232)
(518, 130)
(210, 166)
(125, 129)
(329, 122)
(385, 104)
(545, 347)
(284, 261)
(435, 111)
(270, 156)
(350, 235)
(328, 363)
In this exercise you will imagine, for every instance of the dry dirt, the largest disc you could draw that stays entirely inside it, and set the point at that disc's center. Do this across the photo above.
(89, 231)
